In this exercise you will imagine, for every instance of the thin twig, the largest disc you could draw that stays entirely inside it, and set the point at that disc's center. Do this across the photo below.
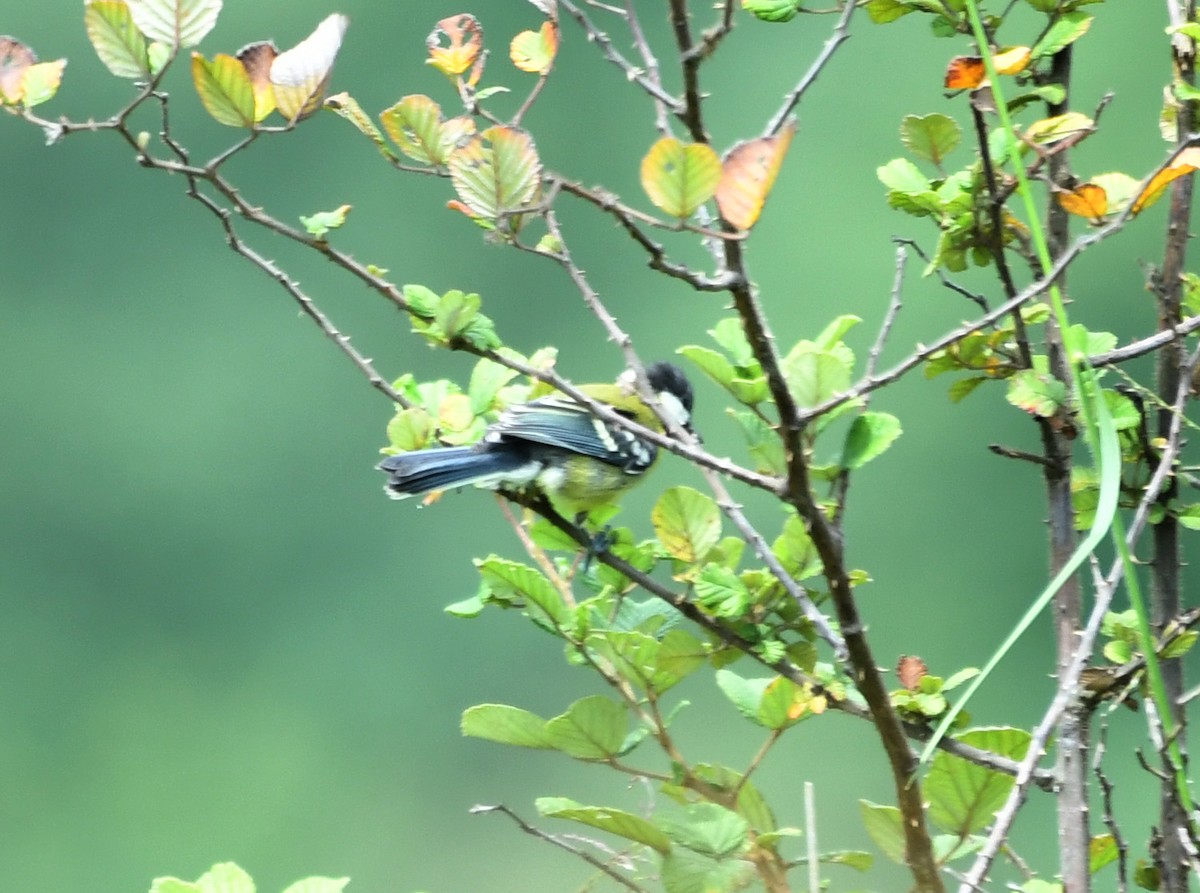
(841, 32)
(560, 843)
(632, 72)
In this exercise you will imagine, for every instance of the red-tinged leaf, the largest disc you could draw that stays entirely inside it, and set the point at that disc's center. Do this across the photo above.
(176, 23)
(678, 177)
(965, 73)
(534, 51)
(1188, 161)
(462, 49)
(910, 670)
(15, 57)
(116, 39)
(496, 172)
(1012, 61)
(1087, 200)
(747, 175)
(301, 75)
(257, 59)
(416, 126)
(224, 88)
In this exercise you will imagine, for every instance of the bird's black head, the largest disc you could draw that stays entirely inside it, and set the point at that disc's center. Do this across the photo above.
(674, 391)
(668, 378)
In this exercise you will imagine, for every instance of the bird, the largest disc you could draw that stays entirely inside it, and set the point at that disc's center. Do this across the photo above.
(555, 445)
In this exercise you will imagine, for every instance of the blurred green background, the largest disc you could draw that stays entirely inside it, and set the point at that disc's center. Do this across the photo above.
(218, 640)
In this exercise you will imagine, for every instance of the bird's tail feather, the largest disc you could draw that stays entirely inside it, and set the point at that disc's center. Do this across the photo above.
(411, 474)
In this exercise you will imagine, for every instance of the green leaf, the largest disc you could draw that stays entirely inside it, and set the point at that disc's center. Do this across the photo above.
(487, 378)
(856, 859)
(225, 877)
(323, 221)
(506, 725)
(885, 828)
(771, 10)
(813, 375)
(319, 885)
(731, 338)
(467, 608)
(614, 821)
(831, 336)
(496, 172)
(116, 39)
(721, 592)
(225, 90)
(784, 703)
(346, 106)
(763, 443)
(746, 694)
(1038, 393)
(883, 11)
(1102, 851)
(1180, 645)
(684, 871)
(931, 137)
(512, 580)
(795, 550)
(1124, 412)
(706, 828)
(963, 797)
(593, 728)
(1065, 31)
(711, 363)
(680, 178)
(902, 176)
(687, 523)
(416, 126)
(1189, 516)
(176, 23)
(410, 429)
(870, 434)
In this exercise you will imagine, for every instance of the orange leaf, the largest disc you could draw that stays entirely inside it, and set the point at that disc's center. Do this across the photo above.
(1086, 200)
(1188, 161)
(463, 49)
(1011, 61)
(15, 57)
(965, 73)
(747, 175)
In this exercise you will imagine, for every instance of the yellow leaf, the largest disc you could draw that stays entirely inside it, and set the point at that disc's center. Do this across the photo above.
(678, 177)
(257, 58)
(224, 88)
(533, 51)
(1087, 200)
(747, 175)
(1011, 61)
(1053, 130)
(463, 48)
(300, 75)
(1188, 161)
(40, 81)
